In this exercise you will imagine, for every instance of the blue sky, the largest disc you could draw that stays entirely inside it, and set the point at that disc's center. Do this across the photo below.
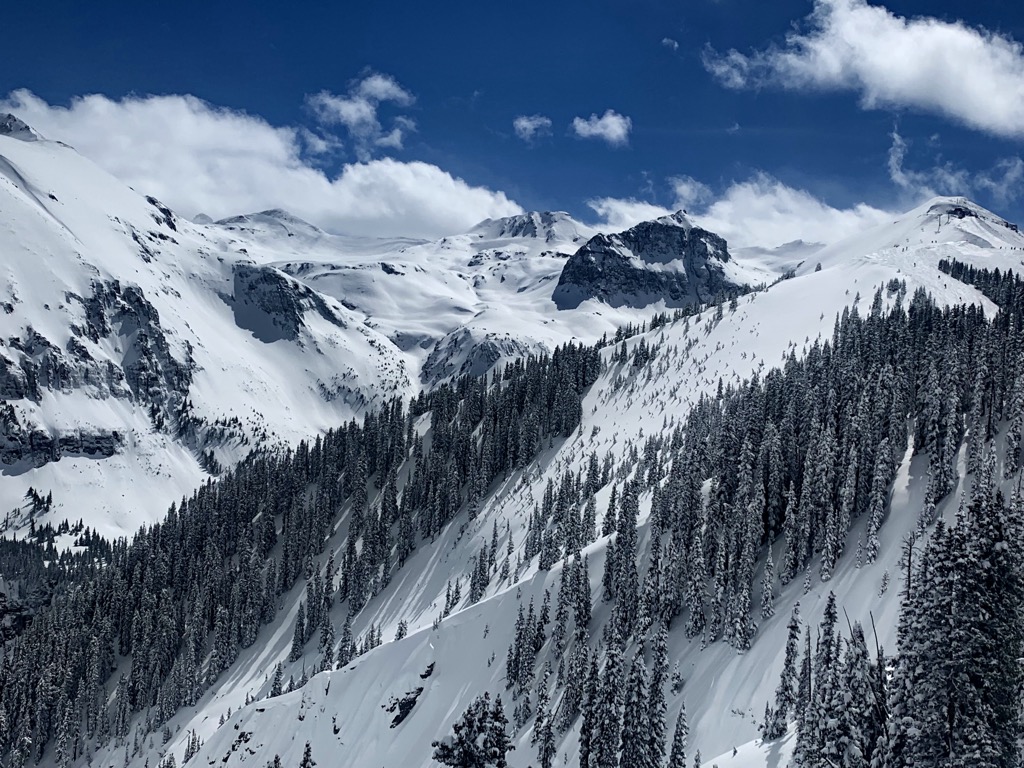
(639, 106)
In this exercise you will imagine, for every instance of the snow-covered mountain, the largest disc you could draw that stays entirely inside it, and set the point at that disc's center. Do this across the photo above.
(350, 711)
(142, 351)
(139, 350)
(668, 261)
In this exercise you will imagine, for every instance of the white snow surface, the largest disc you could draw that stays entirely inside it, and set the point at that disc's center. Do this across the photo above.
(343, 713)
(396, 302)
(402, 314)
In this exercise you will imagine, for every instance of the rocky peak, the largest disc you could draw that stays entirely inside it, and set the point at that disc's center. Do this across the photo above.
(550, 226)
(16, 128)
(677, 219)
(667, 259)
(275, 220)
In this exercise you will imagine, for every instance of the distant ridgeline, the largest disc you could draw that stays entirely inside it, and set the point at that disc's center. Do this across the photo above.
(799, 453)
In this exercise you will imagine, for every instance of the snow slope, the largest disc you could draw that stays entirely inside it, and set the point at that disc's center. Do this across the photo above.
(100, 285)
(141, 351)
(163, 341)
(344, 714)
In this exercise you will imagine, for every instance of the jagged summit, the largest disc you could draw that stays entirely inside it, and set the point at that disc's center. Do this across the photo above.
(550, 226)
(677, 219)
(667, 259)
(15, 127)
(273, 219)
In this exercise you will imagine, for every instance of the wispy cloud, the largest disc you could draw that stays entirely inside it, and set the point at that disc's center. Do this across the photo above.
(669, 43)
(529, 127)
(1004, 181)
(688, 191)
(971, 75)
(357, 112)
(200, 158)
(759, 211)
(611, 127)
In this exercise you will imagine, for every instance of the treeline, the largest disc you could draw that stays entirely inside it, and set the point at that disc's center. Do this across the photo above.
(794, 458)
(175, 604)
(951, 694)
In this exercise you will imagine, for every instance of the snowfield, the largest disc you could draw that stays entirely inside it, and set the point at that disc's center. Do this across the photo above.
(724, 692)
(286, 330)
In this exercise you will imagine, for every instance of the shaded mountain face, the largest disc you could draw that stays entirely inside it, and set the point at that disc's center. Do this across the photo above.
(549, 226)
(272, 305)
(667, 259)
(16, 128)
(140, 351)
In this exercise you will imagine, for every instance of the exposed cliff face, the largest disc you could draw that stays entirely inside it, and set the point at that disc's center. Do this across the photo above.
(12, 126)
(667, 260)
(122, 320)
(462, 353)
(24, 446)
(120, 325)
(271, 304)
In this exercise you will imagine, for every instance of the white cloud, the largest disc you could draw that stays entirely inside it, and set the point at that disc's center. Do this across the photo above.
(529, 127)
(760, 211)
(688, 191)
(357, 112)
(610, 127)
(200, 158)
(617, 214)
(971, 75)
(764, 211)
(1004, 181)
(668, 42)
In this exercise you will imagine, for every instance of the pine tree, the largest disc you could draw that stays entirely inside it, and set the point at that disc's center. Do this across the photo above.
(307, 757)
(879, 496)
(299, 635)
(275, 686)
(785, 693)
(478, 738)
(767, 583)
(656, 706)
(497, 742)
(607, 729)
(346, 646)
(677, 755)
(635, 720)
(589, 712)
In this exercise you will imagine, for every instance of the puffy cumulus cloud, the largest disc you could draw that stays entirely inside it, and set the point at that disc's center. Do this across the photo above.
(357, 112)
(973, 76)
(764, 211)
(760, 211)
(1004, 181)
(610, 127)
(199, 158)
(529, 127)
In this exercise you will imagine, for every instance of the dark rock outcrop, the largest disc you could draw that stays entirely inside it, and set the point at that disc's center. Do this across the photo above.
(271, 304)
(14, 126)
(147, 373)
(663, 260)
(34, 447)
(460, 353)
